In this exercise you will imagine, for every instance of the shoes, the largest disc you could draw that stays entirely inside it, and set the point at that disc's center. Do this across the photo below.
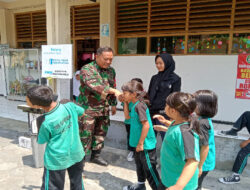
(231, 132)
(99, 160)
(135, 186)
(130, 156)
(230, 180)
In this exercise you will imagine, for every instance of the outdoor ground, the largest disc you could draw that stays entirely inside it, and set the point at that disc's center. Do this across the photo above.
(17, 169)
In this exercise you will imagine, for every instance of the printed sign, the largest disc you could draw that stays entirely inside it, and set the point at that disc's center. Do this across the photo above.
(57, 61)
(243, 77)
(105, 30)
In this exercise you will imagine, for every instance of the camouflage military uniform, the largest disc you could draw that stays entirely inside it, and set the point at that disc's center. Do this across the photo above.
(95, 83)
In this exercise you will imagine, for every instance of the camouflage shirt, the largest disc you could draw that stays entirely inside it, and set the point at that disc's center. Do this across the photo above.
(95, 84)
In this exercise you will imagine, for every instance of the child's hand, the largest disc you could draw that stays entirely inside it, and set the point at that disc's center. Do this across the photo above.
(244, 143)
(121, 98)
(200, 171)
(160, 118)
(174, 187)
(160, 128)
(139, 148)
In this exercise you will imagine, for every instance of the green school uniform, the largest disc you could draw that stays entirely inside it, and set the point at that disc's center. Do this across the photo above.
(136, 127)
(179, 145)
(209, 163)
(59, 129)
(127, 121)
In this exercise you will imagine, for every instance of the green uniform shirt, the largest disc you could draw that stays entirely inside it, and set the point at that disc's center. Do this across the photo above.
(59, 129)
(207, 131)
(130, 105)
(140, 112)
(179, 144)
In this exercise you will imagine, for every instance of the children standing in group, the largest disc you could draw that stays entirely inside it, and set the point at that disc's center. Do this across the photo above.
(130, 156)
(206, 109)
(180, 148)
(58, 127)
(142, 136)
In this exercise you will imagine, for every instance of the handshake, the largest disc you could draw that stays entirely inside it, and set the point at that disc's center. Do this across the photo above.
(117, 93)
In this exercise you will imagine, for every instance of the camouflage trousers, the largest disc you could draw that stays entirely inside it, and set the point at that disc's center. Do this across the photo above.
(93, 130)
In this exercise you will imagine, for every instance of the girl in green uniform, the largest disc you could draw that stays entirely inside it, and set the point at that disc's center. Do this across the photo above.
(142, 136)
(180, 148)
(206, 109)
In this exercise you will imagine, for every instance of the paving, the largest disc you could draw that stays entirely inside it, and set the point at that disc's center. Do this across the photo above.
(17, 169)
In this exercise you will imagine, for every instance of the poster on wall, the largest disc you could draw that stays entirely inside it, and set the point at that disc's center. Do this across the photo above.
(105, 30)
(57, 61)
(242, 90)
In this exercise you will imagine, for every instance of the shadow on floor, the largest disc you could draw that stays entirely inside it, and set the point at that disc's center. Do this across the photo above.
(31, 187)
(28, 161)
(106, 180)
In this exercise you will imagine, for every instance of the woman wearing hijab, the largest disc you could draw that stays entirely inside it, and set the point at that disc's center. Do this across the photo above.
(161, 85)
(76, 86)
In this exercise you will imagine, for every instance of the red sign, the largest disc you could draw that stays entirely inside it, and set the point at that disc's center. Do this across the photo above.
(242, 90)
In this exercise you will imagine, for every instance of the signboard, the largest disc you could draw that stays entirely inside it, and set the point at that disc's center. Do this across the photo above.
(242, 90)
(105, 30)
(57, 61)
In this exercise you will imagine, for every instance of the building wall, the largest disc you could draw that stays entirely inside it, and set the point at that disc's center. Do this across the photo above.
(217, 73)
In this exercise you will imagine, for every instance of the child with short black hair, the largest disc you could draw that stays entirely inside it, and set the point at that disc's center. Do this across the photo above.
(180, 147)
(142, 136)
(58, 127)
(207, 107)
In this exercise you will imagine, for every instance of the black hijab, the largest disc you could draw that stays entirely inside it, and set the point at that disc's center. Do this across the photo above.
(167, 75)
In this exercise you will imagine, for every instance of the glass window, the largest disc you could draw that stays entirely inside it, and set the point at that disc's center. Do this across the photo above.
(38, 44)
(132, 46)
(25, 45)
(170, 44)
(241, 43)
(208, 44)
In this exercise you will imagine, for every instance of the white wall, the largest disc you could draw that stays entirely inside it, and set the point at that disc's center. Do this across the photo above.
(217, 73)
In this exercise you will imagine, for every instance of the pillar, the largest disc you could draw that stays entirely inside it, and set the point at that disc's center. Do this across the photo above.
(58, 32)
(7, 28)
(107, 16)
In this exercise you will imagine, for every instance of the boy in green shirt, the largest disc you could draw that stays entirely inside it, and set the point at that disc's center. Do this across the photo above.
(58, 127)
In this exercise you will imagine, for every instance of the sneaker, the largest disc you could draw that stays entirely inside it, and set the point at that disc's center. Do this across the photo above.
(135, 186)
(130, 156)
(230, 180)
(231, 132)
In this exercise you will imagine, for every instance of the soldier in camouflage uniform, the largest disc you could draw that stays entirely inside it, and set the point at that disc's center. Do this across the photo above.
(97, 93)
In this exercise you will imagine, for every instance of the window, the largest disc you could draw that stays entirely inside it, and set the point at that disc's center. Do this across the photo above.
(241, 43)
(85, 21)
(170, 44)
(208, 27)
(208, 44)
(132, 46)
(31, 29)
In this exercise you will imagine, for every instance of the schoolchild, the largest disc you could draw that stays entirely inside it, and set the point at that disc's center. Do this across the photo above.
(207, 107)
(142, 136)
(131, 150)
(180, 148)
(58, 127)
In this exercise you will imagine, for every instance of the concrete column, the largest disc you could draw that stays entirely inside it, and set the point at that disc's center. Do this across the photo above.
(7, 28)
(107, 16)
(58, 32)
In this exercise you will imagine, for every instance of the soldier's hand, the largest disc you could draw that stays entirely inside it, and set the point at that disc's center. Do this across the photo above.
(113, 110)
